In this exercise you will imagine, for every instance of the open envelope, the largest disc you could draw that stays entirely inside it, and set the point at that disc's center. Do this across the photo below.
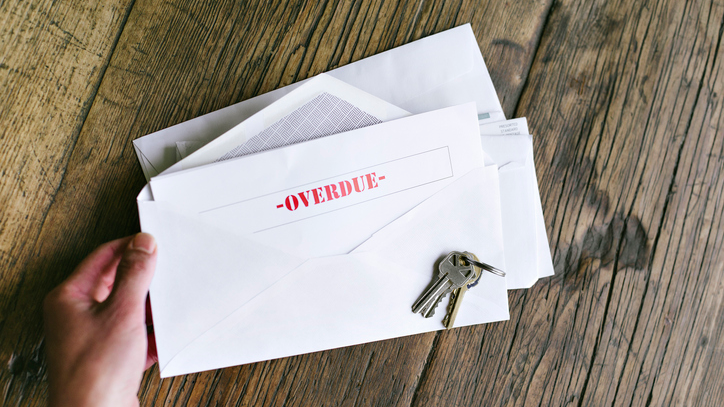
(438, 71)
(321, 106)
(288, 281)
(527, 253)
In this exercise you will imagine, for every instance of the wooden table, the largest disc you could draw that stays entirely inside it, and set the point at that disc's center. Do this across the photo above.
(624, 99)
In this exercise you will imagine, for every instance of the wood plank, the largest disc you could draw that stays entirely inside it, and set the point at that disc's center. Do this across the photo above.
(52, 58)
(682, 343)
(624, 98)
(177, 60)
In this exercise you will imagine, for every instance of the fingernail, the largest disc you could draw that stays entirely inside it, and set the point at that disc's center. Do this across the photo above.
(144, 242)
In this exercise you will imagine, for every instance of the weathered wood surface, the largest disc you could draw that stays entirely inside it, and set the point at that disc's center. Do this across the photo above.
(624, 99)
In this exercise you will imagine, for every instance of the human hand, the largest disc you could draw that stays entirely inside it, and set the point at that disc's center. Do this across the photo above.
(97, 343)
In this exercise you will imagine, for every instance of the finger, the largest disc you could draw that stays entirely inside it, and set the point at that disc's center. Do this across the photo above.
(104, 286)
(91, 274)
(105, 282)
(135, 271)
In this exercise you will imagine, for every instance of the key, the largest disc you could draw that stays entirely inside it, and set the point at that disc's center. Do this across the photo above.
(452, 274)
(456, 298)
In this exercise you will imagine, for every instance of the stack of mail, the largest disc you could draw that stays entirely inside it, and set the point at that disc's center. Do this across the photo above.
(312, 217)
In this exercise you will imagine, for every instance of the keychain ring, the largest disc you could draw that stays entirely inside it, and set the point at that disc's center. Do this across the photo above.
(485, 266)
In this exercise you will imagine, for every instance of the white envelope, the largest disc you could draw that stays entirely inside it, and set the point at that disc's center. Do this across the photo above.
(441, 70)
(527, 253)
(221, 299)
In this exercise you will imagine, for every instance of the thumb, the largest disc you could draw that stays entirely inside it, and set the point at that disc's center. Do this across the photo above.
(135, 271)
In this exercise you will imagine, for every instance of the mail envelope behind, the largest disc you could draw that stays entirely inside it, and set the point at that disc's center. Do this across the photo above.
(300, 277)
(438, 71)
(510, 146)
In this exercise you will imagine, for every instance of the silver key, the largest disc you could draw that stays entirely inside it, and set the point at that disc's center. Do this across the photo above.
(453, 273)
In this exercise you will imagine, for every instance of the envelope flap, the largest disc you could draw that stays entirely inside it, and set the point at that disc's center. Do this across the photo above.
(207, 280)
(449, 216)
(322, 106)
(364, 308)
(366, 295)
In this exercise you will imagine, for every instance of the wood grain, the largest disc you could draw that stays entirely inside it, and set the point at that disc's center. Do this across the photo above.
(52, 58)
(622, 96)
(624, 100)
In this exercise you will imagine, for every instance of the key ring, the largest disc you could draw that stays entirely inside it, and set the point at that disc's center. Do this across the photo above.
(485, 266)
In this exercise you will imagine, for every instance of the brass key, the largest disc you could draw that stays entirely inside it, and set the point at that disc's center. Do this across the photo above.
(456, 297)
(452, 273)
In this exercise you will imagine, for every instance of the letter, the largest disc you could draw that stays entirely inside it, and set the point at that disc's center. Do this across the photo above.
(345, 187)
(357, 186)
(331, 191)
(304, 196)
(292, 203)
(317, 193)
(372, 180)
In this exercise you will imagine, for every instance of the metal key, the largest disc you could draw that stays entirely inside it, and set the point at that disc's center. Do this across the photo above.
(453, 273)
(456, 298)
